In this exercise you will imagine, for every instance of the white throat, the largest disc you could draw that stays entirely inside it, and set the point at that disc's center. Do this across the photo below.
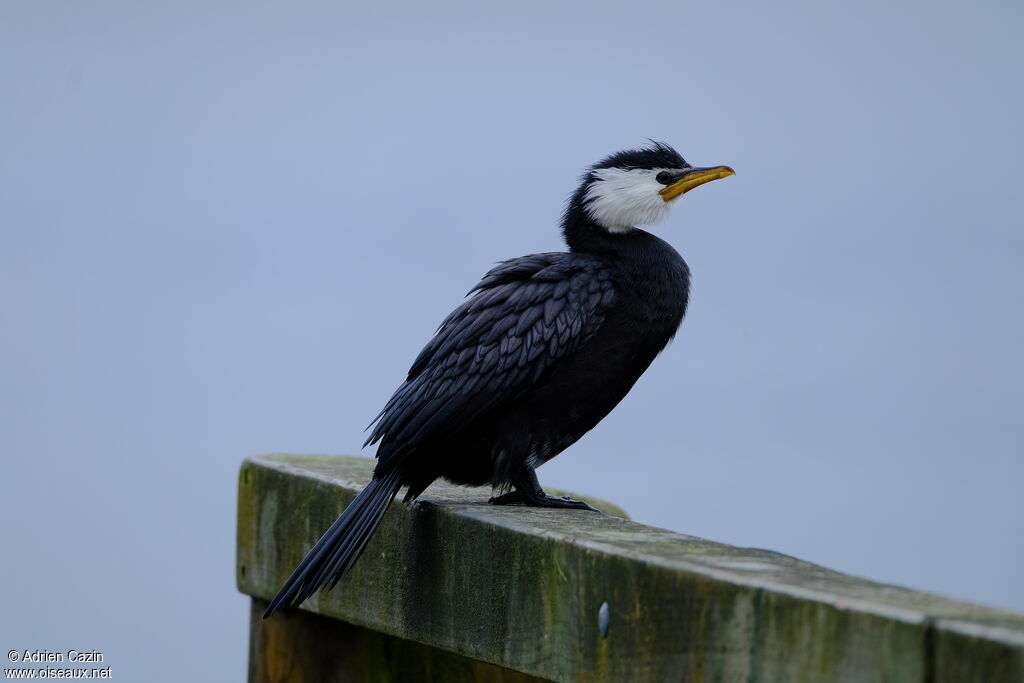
(620, 199)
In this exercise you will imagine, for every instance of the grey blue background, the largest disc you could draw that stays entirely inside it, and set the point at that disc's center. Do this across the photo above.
(226, 228)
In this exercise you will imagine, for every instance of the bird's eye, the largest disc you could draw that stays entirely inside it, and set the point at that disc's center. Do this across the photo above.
(665, 178)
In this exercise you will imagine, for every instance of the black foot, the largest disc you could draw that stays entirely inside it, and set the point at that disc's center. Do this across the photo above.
(529, 493)
(541, 500)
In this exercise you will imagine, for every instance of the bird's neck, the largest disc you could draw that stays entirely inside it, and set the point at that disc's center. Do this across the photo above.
(584, 235)
(645, 266)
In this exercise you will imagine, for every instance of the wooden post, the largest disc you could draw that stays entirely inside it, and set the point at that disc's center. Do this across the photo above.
(455, 589)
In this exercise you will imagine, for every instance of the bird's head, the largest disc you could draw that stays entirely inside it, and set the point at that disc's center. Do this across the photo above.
(635, 187)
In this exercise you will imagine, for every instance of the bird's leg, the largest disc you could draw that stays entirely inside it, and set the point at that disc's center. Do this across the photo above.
(529, 493)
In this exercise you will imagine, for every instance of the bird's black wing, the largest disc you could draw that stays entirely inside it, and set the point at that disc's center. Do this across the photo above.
(522, 318)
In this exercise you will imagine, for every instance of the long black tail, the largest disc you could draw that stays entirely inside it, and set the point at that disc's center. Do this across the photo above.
(340, 547)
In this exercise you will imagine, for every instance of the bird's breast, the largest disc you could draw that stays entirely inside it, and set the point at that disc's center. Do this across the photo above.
(652, 291)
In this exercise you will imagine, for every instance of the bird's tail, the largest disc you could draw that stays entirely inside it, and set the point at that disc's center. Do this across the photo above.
(340, 547)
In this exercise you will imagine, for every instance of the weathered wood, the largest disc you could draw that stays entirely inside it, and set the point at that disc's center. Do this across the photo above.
(299, 646)
(521, 588)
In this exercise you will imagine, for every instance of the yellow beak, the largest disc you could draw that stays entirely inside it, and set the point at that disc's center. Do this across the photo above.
(693, 178)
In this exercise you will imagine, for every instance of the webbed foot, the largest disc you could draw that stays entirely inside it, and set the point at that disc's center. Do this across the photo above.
(529, 493)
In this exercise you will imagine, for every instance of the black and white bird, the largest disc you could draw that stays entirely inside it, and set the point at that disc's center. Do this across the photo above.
(540, 351)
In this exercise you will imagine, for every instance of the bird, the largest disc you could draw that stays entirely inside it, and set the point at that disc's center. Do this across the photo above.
(539, 352)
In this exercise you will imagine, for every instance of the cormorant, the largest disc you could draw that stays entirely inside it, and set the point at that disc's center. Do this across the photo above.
(541, 350)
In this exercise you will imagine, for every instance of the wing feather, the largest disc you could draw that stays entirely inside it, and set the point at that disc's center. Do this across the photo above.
(522, 318)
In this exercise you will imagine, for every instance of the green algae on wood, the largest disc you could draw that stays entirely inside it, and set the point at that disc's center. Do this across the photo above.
(521, 588)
